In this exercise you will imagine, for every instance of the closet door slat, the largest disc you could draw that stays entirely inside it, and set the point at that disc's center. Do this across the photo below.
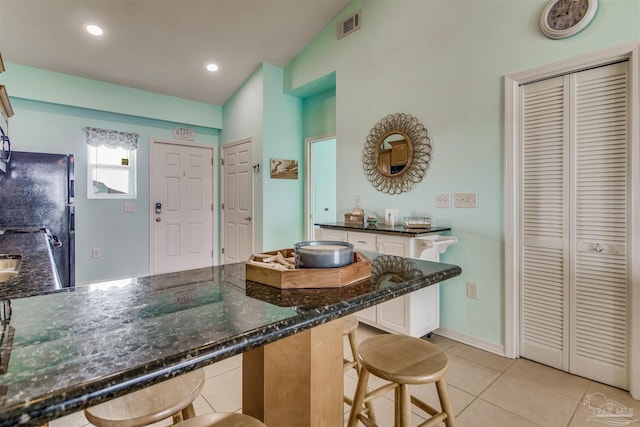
(544, 270)
(599, 283)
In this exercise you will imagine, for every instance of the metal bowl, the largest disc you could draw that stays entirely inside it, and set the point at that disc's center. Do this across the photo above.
(323, 254)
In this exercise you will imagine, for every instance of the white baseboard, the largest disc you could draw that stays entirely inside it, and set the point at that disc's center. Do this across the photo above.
(472, 341)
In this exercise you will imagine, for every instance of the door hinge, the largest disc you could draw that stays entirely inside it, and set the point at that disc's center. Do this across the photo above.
(222, 251)
(222, 206)
(212, 161)
(211, 254)
(212, 207)
(222, 161)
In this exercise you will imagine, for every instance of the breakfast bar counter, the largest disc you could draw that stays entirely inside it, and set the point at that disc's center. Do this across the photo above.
(66, 351)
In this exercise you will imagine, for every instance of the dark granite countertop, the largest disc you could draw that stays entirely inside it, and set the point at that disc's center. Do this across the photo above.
(67, 351)
(384, 229)
(37, 272)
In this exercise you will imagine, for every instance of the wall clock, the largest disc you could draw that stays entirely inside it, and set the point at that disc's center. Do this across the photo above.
(564, 18)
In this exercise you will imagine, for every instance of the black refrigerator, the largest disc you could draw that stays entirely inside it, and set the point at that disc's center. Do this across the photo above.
(36, 194)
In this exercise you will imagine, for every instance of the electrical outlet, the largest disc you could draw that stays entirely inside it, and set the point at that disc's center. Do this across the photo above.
(472, 290)
(466, 200)
(443, 200)
(95, 253)
(358, 200)
(129, 207)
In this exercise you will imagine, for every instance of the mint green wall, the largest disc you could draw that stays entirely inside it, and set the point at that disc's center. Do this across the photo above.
(319, 114)
(260, 110)
(283, 139)
(47, 86)
(57, 128)
(323, 160)
(443, 61)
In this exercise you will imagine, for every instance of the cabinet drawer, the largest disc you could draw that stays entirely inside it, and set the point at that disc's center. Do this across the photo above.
(329, 234)
(362, 241)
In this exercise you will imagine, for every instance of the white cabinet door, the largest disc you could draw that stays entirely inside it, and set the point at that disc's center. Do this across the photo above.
(394, 314)
(365, 242)
(394, 245)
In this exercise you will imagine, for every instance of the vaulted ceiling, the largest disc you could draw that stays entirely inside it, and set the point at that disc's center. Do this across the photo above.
(162, 45)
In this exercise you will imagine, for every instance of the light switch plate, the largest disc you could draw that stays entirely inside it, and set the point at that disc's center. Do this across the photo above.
(466, 200)
(443, 200)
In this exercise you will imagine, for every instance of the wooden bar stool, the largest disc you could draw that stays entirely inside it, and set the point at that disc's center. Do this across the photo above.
(171, 398)
(222, 420)
(403, 360)
(350, 325)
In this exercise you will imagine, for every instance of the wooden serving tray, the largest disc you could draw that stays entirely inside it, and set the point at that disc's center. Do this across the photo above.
(302, 278)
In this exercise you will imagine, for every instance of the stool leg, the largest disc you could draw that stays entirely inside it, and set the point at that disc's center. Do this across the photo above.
(354, 349)
(177, 418)
(396, 408)
(188, 412)
(358, 399)
(445, 403)
(403, 406)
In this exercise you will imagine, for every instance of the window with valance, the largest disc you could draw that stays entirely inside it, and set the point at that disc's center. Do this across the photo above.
(111, 163)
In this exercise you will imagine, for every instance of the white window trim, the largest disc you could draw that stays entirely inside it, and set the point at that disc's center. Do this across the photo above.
(132, 178)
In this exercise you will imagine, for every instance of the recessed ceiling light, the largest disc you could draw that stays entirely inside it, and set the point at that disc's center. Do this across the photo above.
(212, 67)
(94, 30)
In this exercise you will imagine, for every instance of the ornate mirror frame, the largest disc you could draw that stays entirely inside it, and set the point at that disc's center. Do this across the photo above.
(417, 162)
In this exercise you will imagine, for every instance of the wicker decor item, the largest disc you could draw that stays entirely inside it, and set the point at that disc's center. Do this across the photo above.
(415, 154)
(302, 278)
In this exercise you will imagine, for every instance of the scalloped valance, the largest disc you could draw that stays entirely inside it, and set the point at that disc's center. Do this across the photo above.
(96, 137)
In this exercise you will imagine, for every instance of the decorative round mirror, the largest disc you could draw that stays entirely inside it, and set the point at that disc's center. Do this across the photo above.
(397, 153)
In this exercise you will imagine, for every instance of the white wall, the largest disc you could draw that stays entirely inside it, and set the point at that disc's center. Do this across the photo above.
(243, 118)
(443, 61)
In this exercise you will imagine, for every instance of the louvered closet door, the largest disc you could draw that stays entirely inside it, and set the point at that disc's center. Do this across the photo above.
(599, 278)
(544, 223)
(574, 273)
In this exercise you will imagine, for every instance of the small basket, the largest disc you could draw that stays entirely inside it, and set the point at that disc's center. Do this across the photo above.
(353, 219)
(416, 222)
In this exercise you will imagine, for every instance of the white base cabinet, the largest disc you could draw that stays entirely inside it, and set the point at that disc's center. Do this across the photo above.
(416, 314)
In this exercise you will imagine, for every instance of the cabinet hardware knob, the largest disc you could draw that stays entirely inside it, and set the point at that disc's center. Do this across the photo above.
(598, 247)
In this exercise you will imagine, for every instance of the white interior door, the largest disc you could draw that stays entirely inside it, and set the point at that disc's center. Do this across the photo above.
(237, 201)
(320, 182)
(181, 207)
(575, 219)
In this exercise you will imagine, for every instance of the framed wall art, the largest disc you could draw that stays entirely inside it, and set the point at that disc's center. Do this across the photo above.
(284, 169)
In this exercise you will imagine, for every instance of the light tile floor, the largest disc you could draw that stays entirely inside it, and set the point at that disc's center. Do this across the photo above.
(486, 391)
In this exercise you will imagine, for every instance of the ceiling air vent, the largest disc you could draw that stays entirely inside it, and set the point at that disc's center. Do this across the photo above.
(349, 25)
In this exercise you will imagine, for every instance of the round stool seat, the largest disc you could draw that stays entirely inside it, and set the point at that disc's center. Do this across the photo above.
(221, 420)
(403, 359)
(150, 404)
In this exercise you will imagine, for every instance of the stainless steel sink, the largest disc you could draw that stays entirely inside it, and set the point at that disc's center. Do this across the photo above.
(9, 266)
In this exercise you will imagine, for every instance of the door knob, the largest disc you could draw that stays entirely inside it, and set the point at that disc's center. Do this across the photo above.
(247, 218)
(158, 219)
